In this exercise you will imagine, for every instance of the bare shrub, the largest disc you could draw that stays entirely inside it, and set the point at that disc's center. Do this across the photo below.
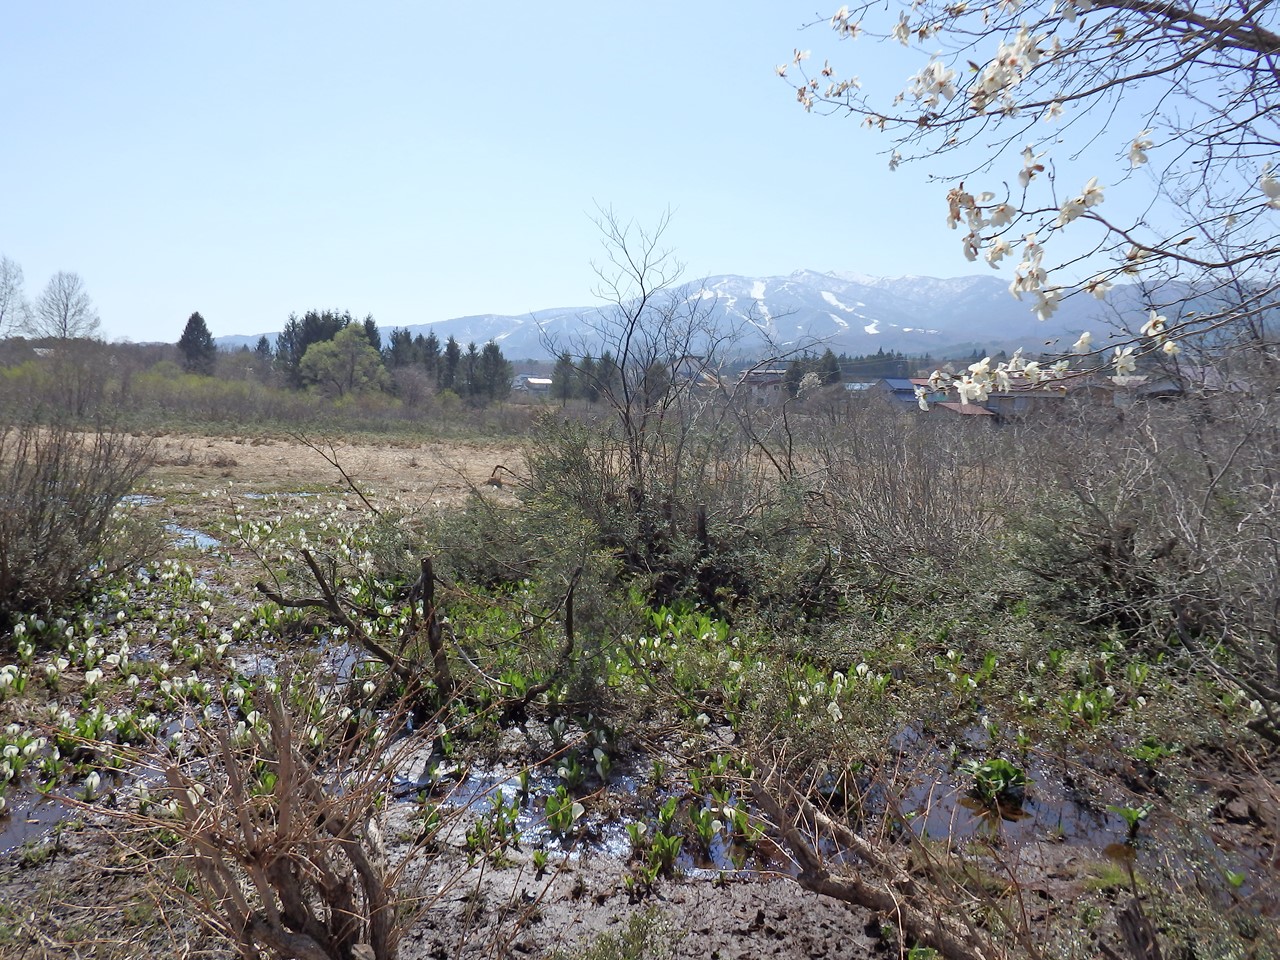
(1164, 521)
(276, 818)
(898, 487)
(61, 517)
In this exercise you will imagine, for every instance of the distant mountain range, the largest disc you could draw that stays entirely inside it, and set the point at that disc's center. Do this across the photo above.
(847, 312)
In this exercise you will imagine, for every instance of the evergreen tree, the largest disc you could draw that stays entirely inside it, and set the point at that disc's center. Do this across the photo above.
(470, 371)
(401, 350)
(828, 369)
(199, 352)
(495, 373)
(608, 376)
(429, 353)
(588, 383)
(371, 333)
(449, 363)
(564, 379)
(299, 334)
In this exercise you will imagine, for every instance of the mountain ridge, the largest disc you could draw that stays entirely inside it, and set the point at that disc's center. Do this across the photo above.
(845, 311)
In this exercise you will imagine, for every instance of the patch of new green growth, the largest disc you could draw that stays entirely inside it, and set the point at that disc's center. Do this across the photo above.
(648, 935)
(1133, 817)
(996, 782)
(1108, 876)
(562, 811)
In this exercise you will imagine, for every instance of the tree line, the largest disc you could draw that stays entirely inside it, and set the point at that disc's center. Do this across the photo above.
(338, 355)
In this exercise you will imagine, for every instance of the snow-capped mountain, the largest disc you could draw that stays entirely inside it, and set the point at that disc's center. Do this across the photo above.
(848, 312)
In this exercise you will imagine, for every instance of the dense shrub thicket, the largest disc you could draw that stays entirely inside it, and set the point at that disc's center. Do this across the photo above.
(63, 518)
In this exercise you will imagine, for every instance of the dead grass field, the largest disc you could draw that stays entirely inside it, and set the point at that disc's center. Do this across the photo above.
(427, 472)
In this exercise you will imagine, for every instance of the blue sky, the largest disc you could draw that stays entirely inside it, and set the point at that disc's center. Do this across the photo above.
(420, 161)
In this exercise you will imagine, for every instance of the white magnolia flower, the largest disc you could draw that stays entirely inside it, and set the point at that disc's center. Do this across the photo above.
(1171, 348)
(902, 30)
(1098, 287)
(833, 710)
(1124, 361)
(1082, 345)
(1001, 214)
(1047, 303)
(1138, 149)
(1271, 187)
(1154, 325)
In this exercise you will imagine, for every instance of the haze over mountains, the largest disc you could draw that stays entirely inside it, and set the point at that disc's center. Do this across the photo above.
(847, 312)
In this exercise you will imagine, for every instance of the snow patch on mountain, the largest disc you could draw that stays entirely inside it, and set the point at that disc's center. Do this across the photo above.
(831, 298)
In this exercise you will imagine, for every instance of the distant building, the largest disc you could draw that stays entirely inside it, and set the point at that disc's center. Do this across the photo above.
(763, 386)
(531, 385)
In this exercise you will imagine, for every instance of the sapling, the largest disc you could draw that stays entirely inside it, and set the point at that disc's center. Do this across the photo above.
(1133, 817)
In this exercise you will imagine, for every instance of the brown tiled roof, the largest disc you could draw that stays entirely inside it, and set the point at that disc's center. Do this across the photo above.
(965, 409)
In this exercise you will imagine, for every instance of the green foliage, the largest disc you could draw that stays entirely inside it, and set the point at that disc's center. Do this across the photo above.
(199, 352)
(562, 811)
(345, 365)
(1132, 816)
(997, 782)
(648, 935)
(825, 371)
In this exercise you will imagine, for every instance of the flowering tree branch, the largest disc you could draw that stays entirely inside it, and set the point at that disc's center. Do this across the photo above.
(1036, 88)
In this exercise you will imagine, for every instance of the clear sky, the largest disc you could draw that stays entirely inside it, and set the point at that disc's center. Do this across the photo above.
(420, 161)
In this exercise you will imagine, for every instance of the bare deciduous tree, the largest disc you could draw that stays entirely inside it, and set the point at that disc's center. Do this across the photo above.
(13, 305)
(64, 310)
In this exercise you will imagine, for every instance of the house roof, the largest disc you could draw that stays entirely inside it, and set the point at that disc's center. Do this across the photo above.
(963, 409)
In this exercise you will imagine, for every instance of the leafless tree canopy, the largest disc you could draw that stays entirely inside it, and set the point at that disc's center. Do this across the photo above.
(64, 310)
(13, 305)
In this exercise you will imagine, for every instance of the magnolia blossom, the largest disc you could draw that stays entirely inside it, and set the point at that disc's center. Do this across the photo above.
(1030, 166)
(1090, 196)
(1154, 325)
(902, 30)
(1047, 303)
(1171, 348)
(1098, 287)
(933, 83)
(1001, 214)
(1138, 149)
(972, 390)
(1124, 361)
(1082, 345)
(1271, 187)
